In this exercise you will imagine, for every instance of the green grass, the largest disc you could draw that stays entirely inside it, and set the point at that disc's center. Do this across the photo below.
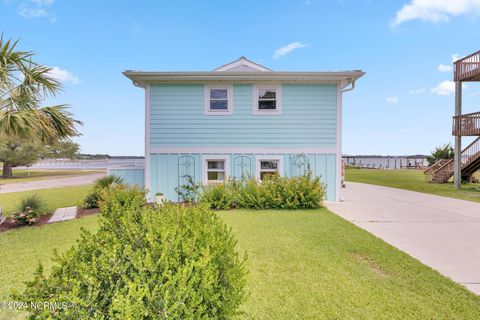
(413, 180)
(54, 198)
(34, 175)
(301, 265)
(23, 249)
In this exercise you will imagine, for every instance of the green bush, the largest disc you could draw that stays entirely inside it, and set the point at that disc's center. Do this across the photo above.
(28, 210)
(274, 192)
(107, 182)
(175, 262)
(93, 199)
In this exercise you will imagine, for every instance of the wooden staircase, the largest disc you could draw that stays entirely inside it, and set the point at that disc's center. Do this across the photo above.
(442, 170)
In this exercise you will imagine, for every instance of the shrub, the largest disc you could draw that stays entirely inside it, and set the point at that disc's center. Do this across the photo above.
(175, 262)
(274, 192)
(107, 182)
(92, 200)
(28, 210)
(188, 192)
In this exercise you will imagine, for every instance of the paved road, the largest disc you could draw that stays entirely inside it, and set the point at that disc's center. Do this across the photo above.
(441, 232)
(50, 183)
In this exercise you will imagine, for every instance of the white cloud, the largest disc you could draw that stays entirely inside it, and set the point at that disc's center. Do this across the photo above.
(444, 88)
(64, 75)
(435, 10)
(445, 68)
(28, 12)
(287, 49)
(37, 9)
(393, 100)
(456, 57)
(43, 2)
(417, 91)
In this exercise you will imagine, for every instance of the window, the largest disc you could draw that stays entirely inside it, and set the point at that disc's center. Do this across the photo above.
(218, 100)
(267, 100)
(215, 169)
(267, 166)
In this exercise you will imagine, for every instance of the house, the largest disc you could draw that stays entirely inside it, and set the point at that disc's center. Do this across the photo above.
(241, 119)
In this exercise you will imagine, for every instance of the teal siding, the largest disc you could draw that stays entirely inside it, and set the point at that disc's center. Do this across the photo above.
(308, 119)
(166, 170)
(131, 176)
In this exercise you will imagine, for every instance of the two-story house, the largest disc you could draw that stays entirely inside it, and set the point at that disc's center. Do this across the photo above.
(241, 119)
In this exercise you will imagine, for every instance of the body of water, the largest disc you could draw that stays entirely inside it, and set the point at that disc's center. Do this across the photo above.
(386, 162)
(86, 164)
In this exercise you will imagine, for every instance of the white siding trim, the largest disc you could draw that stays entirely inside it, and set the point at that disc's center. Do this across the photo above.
(338, 169)
(147, 141)
(278, 96)
(215, 157)
(209, 112)
(318, 150)
(268, 157)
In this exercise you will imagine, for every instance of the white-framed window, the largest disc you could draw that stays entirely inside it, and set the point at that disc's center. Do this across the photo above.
(215, 169)
(267, 100)
(268, 165)
(218, 100)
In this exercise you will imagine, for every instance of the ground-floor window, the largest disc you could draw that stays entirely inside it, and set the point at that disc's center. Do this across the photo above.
(215, 170)
(267, 166)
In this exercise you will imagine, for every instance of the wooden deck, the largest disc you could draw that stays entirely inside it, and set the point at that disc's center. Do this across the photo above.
(466, 125)
(468, 68)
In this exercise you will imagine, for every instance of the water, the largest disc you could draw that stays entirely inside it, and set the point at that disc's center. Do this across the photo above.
(386, 162)
(86, 164)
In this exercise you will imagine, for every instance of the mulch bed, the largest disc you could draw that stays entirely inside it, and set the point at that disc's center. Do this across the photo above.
(86, 212)
(8, 224)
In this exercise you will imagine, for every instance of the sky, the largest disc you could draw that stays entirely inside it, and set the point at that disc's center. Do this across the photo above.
(403, 105)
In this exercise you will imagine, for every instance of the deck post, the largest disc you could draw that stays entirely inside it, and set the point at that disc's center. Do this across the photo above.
(457, 171)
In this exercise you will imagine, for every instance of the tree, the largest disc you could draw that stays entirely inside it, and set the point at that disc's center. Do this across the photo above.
(14, 154)
(24, 85)
(62, 150)
(443, 152)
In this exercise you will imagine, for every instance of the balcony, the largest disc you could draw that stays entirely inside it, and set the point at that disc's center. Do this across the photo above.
(466, 124)
(468, 68)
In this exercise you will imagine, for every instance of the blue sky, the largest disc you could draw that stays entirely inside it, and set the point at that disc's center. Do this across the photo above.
(402, 106)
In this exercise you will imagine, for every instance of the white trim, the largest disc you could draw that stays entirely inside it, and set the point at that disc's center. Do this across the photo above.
(242, 61)
(229, 111)
(147, 141)
(338, 169)
(240, 150)
(278, 98)
(214, 157)
(269, 157)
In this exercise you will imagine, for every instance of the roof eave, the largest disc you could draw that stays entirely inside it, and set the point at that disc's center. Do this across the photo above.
(142, 77)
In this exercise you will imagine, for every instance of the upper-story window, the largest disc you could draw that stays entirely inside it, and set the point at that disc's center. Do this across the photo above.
(267, 100)
(218, 100)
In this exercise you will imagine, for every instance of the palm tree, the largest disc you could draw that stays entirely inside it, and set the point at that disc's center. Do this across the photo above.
(24, 85)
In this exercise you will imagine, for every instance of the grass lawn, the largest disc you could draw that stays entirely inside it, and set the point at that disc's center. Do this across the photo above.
(54, 198)
(301, 264)
(413, 180)
(33, 175)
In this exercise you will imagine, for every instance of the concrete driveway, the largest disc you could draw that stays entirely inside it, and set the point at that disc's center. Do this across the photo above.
(51, 183)
(441, 232)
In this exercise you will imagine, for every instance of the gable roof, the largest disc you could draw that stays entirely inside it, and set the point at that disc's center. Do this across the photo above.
(242, 64)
